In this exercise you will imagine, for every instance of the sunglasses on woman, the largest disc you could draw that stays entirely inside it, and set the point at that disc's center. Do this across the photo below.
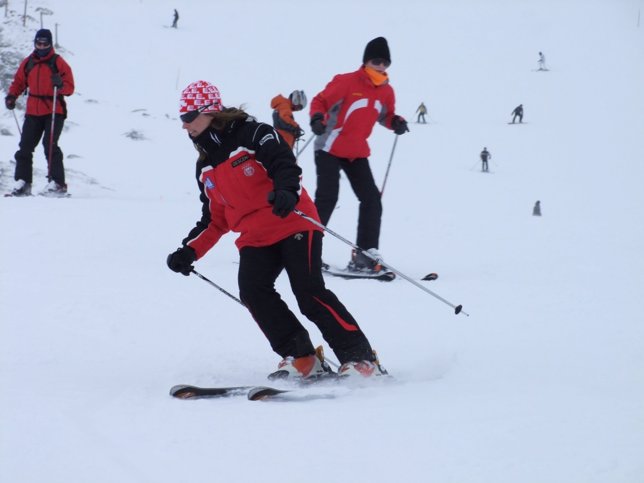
(190, 116)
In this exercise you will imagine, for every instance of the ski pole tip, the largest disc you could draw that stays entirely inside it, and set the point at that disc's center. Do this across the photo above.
(457, 309)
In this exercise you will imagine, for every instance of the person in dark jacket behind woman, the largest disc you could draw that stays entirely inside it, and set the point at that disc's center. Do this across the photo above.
(40, 73)
(342, 116)
(250, 184)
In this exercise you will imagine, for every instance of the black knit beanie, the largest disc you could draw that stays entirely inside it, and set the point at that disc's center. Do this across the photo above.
(376, 49)
(43, 35)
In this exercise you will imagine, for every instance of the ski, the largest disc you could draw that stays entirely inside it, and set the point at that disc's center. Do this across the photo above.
(55, 195)
(184, 391)
(383, 275)
(261, 393)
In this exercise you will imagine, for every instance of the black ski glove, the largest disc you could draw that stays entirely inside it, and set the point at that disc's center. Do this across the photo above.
(181, 260)
(317, 125)
(57, 80)
(10, 102)
(283, 202)
(399, 125)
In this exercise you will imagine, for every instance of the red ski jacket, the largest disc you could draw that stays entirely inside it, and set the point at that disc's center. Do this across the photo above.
(38, 80)
(352, 104)
(236, 171)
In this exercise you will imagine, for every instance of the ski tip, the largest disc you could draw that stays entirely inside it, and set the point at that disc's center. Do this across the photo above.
(182, 391)
(260, 393)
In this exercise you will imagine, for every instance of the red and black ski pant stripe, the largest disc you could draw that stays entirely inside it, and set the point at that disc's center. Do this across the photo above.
(300, 256)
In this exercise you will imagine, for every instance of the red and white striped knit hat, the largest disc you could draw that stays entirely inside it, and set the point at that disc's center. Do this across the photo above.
(199, 94)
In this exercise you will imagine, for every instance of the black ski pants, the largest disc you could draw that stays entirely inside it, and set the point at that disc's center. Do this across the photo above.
(360, 176)
(32, 131)
(301, 256)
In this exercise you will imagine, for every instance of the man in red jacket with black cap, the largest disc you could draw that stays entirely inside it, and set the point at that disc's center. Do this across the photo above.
(343, 116)
(41, 72)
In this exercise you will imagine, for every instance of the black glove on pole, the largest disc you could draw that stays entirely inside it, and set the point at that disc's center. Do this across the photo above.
(10, 102)
(56, 80)
(317, 124)
(399, 125)
(283, 202)
(181, 260)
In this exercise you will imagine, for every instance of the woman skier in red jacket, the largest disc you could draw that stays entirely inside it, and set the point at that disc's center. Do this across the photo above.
(250, 183)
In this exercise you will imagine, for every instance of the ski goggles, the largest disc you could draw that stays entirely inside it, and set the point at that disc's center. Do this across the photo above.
(190, 116)
(380, 61)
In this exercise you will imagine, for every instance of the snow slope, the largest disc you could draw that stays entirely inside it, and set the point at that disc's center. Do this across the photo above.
(543, 382)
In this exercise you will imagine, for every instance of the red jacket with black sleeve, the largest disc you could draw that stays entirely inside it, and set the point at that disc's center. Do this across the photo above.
(352, 104)
(41, 89)
(236, 171)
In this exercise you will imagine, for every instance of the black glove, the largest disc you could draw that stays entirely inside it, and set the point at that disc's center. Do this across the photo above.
(399, 125)
(10, 102)
(181, 260)
(298, 133)
(317, 125)
(283, 202)
(57, 80)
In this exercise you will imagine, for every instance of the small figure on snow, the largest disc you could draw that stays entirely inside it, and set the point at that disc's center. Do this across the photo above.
(45, 74)
(283, 119)
(342, 123)
(175, 19)
(421, 111)
(542, 62)
(249, 182)
(518, 112)
(485, 156)
(536, 211)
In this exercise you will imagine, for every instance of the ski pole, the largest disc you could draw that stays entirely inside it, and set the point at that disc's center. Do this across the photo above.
(17, 123)
(51, 134)
(457, 308)
(217, 287)
(299, 151)
(391, 157)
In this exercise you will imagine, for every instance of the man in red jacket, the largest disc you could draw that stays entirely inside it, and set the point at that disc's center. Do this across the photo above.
(343, 116)
(249, 183)
(41, 72)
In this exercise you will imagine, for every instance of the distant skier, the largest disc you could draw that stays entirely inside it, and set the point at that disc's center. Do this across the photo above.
(176, 19)
(542, 62)
(283, 119)
(421, 111)
(44, 73)
(518, 112)
(485, 156)
(536, 211)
